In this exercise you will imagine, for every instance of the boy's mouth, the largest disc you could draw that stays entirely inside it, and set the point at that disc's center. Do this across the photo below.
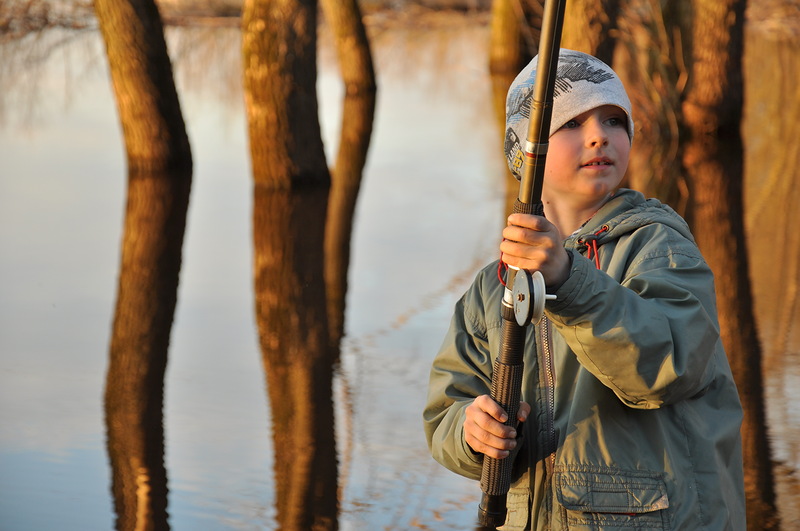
(600, 161)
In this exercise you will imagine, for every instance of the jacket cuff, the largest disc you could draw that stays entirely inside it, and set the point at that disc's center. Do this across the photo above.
(566, 293)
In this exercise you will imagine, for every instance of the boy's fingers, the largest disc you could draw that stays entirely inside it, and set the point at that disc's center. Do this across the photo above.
(524, 411)
(528, 221)
(487, 443)
(484, 430)
(490, 407)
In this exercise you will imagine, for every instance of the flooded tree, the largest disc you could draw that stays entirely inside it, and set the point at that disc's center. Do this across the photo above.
(589, 26)
(358, 111)
(159, 179)
(771, 196)
(713, 162)
(648, 58)
(291, 182)
(514, 35)
(515, 29)
(683, 65)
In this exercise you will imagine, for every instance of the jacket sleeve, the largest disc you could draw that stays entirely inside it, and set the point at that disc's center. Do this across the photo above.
(647, 328)
(460, 372)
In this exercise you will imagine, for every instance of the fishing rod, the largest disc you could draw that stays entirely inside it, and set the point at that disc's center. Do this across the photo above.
(524, 295)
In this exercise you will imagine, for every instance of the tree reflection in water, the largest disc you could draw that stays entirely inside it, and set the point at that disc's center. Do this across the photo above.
(771, 193)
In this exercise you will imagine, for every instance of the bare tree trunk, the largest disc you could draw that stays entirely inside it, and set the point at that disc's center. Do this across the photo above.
(288, 232)
(771, 197)
(588, 27)
(150, 114)
(290, 197)
(513, 41)
(712, 158)
(645, 58)
(358, 75)
(280, 73)
(511, 38)
(159, 181)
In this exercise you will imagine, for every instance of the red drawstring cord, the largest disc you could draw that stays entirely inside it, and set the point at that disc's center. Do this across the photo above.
(591, 243)
(593, 253)
(502, 267)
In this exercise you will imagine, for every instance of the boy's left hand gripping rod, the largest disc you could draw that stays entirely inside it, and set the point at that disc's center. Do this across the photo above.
(506, 391)
(526, 300)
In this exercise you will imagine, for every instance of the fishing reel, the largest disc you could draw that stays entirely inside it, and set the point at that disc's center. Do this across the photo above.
(529, 297)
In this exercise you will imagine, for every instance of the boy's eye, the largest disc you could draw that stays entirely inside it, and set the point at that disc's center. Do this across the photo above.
(616, 121)
(571, 124)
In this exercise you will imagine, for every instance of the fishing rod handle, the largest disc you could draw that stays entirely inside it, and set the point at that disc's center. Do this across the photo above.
(506, 391)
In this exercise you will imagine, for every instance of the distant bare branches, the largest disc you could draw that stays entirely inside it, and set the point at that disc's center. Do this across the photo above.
(20, 18)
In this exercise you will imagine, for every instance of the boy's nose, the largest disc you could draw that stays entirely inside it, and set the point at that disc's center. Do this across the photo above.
(595, 133)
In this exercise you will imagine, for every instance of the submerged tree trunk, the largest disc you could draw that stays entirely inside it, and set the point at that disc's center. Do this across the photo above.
(358, 75)
(512, 41)
(159, 180)
(288, 232)
(280, 74)
(588, 27)
(141, 72)
(648, 58)
(772, 168)
(291, 181)
(713, 161)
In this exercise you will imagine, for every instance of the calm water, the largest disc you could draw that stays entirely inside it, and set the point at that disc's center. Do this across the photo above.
(429, 212)
(426, 220)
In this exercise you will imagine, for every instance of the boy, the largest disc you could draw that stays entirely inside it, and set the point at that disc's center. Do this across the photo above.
(630, 417)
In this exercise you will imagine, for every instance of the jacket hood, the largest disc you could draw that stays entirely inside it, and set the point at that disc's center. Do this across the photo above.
(627, 211)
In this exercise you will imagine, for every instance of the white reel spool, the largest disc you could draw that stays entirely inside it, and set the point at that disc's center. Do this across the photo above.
(529, 297)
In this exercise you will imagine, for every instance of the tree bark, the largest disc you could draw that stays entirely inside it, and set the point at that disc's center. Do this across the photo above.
(508, 52)
(279, 57)
(588, 27)
(771, 197)
(159, 182)
(513, 41)
(358, 75)
(648, 59)
(147, 102)
(291, 181)
(288, 231)
(712, 159)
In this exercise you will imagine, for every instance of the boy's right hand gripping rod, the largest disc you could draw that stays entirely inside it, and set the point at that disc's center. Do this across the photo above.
(523, 299)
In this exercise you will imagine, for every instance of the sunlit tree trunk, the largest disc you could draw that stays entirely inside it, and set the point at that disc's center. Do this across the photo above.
(513, 41)
(159, 179)
(288, 232)
(648, 42)
(150, 114)
(713, 161)
(291, 181)
(588, 26)
(507, 47)
(358, 75)
(146, 299)
(771, 198)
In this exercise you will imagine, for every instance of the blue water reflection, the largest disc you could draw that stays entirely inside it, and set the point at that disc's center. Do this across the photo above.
(429, 210)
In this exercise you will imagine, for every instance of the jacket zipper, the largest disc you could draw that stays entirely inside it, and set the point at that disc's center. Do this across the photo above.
(546, 364)
(550, 381)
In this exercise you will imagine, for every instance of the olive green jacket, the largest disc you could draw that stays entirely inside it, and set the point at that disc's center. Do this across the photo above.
(635, 416)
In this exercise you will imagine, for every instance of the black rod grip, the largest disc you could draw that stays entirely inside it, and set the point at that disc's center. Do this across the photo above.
(506, 391)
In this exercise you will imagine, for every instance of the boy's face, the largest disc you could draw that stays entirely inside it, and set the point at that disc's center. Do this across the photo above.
(588, 156)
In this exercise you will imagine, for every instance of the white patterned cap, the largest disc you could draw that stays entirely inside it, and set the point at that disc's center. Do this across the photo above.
(582, 83)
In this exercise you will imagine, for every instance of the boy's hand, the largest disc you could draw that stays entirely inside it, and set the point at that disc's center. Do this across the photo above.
(533, 243)
(484, 430)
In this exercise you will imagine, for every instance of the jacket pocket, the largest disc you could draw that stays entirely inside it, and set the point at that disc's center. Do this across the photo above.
(518, 503)
(601, 499)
